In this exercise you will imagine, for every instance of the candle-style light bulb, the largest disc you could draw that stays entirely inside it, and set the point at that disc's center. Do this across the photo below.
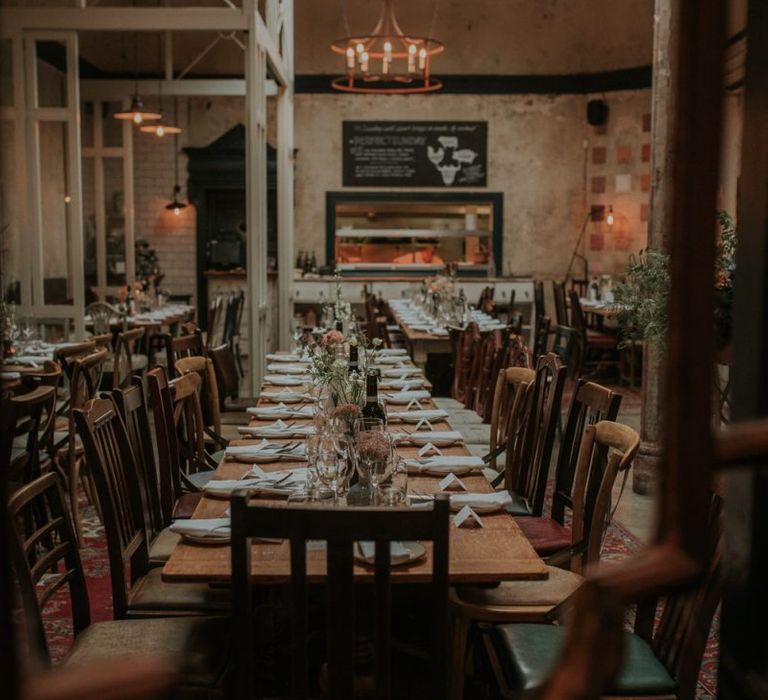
(364, 61)
(412, 58)
(137, 118)
(350, 57)
(359, 48)
(384, 66)
(610, 218)
(160, 131)
(422, 58)
(388, 51)
(176, 211)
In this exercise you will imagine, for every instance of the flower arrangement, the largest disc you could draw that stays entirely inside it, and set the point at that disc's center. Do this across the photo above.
(338, 310)
(440, 284)
(373, 446)
(346, 414)
(642, 299)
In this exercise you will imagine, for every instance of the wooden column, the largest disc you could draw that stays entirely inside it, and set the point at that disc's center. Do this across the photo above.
(666, 40)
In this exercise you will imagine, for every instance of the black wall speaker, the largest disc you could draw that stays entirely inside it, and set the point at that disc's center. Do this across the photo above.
(597, 112)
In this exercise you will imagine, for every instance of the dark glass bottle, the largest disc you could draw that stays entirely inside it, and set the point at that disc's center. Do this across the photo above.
(313, 263)
(354, 364)
(339, 326)
(373, 409)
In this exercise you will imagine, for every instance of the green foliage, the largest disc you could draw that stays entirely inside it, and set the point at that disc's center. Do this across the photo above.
(147, 262)
(642, 299)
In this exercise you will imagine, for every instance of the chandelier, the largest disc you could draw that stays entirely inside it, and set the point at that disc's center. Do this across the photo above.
(387, 60)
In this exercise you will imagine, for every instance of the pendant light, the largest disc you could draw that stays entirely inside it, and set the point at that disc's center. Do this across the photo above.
(136, 112)
(175, 205)
(160, 128)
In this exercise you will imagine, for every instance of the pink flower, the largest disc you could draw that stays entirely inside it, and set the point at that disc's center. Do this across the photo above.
(373, 446)
(332, 338)
(347, 411)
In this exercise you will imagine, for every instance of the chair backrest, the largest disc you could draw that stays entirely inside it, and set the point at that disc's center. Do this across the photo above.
(118, 484)
(227, 378)
(233, 317)
(684, 618)
(515, 322)
(21, 416)
(529, 473)
(538, 299)
(208, 392)
(578, 321)
(214, 322)
(591, 404)
(483, 379)
(45, 556)
(49, 376)
(125, 346)
(341, 529)
(593, 484)
(102, 315)
(561, 309)
(541, 336)
(66, 354)
(465, 345)
(132, 406)
(568, 347)
(509, 397)
(84, 385)
(188, 345)
(168, 451)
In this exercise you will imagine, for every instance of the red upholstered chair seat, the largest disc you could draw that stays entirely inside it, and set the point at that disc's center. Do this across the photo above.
(546, 536)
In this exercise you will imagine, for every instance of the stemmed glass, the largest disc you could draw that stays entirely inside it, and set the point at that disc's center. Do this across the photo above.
(374, 451)
(332, 467)
(394, 492)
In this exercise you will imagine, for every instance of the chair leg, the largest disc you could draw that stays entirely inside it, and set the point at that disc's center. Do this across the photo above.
(459, 651)
(74, 505)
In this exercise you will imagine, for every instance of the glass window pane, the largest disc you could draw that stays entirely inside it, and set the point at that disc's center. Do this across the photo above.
(86, 124)
(54, 207)
(6, 74)
(89, 224)
(9, 231)
(112, 128)
(51, 74)
(114, 207)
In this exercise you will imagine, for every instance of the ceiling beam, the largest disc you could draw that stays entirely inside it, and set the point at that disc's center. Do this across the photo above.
(115, 89)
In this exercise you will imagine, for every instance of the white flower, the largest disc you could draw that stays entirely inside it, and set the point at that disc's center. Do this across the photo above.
(353, 341)
(376, 342)
(340, 363)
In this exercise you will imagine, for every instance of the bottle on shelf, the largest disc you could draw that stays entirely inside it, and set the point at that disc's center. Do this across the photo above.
(354, 364)
(313, 263)
(300, 261)
(307, 265)
(373, 409)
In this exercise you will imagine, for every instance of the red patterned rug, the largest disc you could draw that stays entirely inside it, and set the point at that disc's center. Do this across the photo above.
(619, 543)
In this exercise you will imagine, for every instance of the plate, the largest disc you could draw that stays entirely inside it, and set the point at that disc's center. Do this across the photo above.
(416, 551)
(202, 539)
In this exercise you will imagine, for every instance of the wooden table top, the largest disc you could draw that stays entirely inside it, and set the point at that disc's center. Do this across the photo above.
(498, 551)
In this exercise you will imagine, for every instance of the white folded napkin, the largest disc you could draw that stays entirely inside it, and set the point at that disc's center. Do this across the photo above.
(478, 500)
(401, 384)
(393, 351)
(209, 528)
(283, 368)
(265, 452)
(400, 372)
(277, 429)
(30, 360)
(439, 438)
(286, 379)
(467, 517)
(277, 357)
(418, 415)
(405, 396)
(286, 396)
(8, 376)
(390, 359)
(224, 488)
(397, 552)
(445, 464)
(281, 411)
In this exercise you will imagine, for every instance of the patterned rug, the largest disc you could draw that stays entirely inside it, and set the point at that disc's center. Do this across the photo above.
(619, 543)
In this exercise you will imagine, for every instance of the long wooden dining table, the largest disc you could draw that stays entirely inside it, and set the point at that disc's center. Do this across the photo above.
(497, 551)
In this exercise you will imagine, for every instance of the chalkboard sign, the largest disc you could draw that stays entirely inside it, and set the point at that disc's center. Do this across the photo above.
(415, 154)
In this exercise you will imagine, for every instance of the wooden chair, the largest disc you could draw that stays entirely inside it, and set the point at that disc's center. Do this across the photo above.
(527, 466)
(105, 318)
(567, 346)
(215, 322)
(137, 589)
(228, 385)
(466, 345)
(188, 345)
(208, 395)
(341, 529)
(47, 561)
(158, 514)
(662, 655)
(179, 439)
(483, 379)
(509, 400)
(542, 601)
(84, 384)
(539, 309)
(21, 417)
(541, 336)
(64, 356)
(599, 350)
(561, 306)
(125, 361)
(50, 375)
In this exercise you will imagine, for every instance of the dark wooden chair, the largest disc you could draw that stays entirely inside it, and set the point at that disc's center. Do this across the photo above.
(228, 384)
(662, 655)
(466, 345)
(561, 306)
(542, 601)
(137, 588)
(566, 344)
(21, 417)
(187, 345)
(541, 336)
(483, 378)
(539, 309)
(215, 322)
(599, 350)
(47, 561)
(125, 361)
(527, 466)
(509, 401)
(341, 529)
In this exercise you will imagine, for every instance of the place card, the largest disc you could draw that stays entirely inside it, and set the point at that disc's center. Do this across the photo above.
(429, 449)
(467, 517)
(424, 423)
(452, 483)
(413, 403)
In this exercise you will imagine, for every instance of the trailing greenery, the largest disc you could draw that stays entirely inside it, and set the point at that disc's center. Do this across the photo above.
(642, 299)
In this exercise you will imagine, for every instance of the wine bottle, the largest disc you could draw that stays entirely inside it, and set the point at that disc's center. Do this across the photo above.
(339, 325)
(354, 365)
(373, 409)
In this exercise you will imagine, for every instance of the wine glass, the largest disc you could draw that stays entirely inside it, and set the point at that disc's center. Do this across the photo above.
(332, 468)
(373, 452)
(394, 492)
